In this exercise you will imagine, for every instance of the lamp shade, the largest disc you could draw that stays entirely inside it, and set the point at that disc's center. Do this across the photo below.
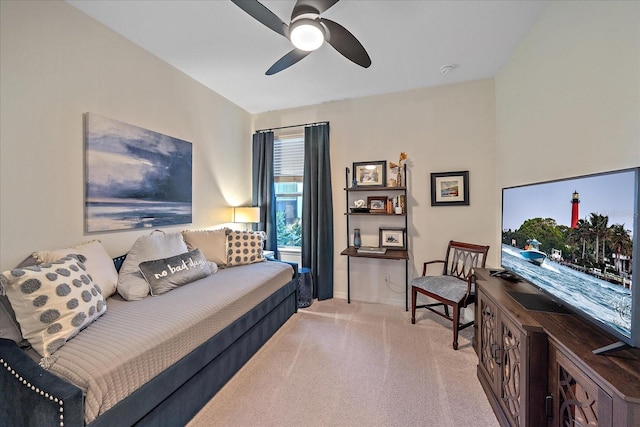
(246, 214)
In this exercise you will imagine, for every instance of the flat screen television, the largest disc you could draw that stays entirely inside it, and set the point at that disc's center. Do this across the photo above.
(577, 240)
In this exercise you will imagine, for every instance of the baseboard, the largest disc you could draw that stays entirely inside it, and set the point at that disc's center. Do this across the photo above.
(468, 314)
(386, 301)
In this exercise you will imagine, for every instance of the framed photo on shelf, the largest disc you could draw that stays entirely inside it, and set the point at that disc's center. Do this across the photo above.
(370, 174)
(377, 204)
(450, 188)
(393, 238)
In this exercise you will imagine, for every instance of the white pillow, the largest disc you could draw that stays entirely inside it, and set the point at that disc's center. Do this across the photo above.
(52, 301)
(98, 262)
(131, 283)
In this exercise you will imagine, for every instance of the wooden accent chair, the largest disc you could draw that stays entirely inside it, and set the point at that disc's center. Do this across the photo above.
(455, 288)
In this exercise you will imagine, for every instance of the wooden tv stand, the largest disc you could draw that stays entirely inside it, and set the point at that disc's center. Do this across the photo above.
(537, 367)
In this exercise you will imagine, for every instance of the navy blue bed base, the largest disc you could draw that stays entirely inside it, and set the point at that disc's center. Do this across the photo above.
(170, 399)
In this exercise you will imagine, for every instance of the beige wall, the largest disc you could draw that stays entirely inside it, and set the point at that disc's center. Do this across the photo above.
(447, 128)
(568, 100)
(57, 64)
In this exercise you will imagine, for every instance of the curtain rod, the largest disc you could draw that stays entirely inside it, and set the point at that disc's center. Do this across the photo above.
(292, 126)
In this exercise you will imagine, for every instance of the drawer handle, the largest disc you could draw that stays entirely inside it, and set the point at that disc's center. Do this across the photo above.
(495, 350)
(548, 406)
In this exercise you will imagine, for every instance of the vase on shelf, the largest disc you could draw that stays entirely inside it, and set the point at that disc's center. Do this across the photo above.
(399, 179)
(357, 240)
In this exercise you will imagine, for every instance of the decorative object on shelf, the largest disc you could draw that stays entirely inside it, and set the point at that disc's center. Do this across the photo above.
(360, 207)
(370, 174)
(403, 156)
(357, 239)
(377, 204)
(372, 250)
(397, 205)
(393, 237)
(450, 188)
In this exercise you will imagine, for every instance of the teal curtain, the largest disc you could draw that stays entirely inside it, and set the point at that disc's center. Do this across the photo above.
(263, 188)
(317, 210)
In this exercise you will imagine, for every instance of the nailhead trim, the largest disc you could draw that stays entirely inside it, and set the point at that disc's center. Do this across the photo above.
(35, 389)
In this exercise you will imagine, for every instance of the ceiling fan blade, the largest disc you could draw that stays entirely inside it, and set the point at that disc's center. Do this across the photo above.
(286, 61)
(311, 6)
(263, 15)
(346, 43)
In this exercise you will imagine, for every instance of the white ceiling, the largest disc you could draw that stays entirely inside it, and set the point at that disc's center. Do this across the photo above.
(219, 45)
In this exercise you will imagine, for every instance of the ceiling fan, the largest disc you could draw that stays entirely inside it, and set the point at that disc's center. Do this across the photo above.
(307, 31)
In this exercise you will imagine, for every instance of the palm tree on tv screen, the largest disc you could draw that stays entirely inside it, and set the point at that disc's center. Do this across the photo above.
(600, 230)
(621, 243)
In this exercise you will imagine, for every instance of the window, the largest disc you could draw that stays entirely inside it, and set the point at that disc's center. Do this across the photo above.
(288, 172)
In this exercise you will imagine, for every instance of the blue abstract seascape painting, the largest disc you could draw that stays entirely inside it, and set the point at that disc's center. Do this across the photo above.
(134, 177)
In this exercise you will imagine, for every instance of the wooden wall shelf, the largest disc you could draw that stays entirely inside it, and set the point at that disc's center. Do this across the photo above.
(352, 251)
(358, 217)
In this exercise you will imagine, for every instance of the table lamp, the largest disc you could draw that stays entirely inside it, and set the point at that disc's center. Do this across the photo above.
(246, 215)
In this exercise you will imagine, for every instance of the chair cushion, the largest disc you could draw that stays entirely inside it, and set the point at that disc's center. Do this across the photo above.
(448, 287)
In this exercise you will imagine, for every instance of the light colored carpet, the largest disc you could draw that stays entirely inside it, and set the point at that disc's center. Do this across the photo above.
(358, 364)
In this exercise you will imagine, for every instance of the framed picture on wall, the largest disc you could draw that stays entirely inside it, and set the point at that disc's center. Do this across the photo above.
(135, 178)
(370, 174)
(450, 188)
(393, 238)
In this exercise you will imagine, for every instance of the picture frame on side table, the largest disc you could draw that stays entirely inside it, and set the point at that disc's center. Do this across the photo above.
(393, 238)
(377, 204)
(450, 188)
(370, 174)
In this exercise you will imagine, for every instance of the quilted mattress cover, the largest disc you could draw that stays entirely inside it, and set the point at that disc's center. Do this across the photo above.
(136, 340)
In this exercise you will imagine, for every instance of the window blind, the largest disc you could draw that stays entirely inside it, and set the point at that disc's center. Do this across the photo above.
(288, 159)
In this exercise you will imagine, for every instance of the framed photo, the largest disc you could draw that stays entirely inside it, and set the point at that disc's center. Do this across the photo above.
(370, 174)
(393, 237)
(450, 188)
(377, 204)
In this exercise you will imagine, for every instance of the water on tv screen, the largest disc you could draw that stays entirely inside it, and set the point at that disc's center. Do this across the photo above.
(574, 240)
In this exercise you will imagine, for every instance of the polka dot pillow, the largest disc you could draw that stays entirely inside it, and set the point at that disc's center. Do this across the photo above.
(53, 302)
(244, 247)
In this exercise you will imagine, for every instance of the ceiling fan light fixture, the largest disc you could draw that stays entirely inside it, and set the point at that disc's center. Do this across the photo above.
(306, 34)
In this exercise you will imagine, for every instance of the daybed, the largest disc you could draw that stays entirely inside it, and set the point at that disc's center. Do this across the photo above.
(152, 361)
